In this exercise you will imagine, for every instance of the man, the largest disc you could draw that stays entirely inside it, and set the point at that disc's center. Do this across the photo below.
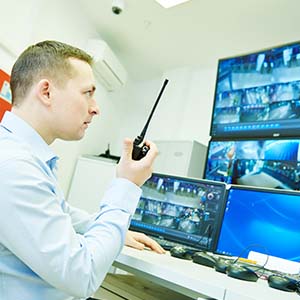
(49, 250)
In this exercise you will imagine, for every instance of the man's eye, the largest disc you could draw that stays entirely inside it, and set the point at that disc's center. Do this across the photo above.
(89, 93)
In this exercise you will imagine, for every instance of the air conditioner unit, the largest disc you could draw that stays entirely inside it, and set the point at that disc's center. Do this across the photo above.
(107, 67)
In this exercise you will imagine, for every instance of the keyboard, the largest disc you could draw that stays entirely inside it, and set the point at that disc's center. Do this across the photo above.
(168, 245)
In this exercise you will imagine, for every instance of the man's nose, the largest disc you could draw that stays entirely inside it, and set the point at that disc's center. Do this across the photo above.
(94, 108)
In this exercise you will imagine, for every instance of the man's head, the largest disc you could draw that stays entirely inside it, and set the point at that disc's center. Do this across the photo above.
(53, 90)
(47, 59)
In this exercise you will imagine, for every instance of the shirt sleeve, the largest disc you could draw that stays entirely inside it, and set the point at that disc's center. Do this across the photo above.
(81, 219)
(36, 229)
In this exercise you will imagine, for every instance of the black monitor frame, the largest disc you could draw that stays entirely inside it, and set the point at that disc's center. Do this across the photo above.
(284, 168)
(174, 234)
(259, 128)
(257, 242)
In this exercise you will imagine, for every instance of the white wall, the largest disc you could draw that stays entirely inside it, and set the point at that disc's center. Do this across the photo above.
(183, 113)
(7, 59)
(186, 110)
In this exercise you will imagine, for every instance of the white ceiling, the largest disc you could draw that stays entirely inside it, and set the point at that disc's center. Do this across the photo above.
(149, 39)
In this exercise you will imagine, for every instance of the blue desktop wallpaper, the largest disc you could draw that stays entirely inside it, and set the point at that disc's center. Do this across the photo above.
(265, 222)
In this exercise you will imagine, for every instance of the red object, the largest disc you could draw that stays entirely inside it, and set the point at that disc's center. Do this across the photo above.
(5, 93)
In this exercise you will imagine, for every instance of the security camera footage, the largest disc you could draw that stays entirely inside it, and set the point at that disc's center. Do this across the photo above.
(258, 94)
(267, 163)
(183, 210)
(265, 221)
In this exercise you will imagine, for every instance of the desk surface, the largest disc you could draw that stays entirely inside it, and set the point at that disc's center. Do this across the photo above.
(194, 280)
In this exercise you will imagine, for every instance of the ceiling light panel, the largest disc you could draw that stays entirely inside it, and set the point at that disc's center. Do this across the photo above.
(170, 3)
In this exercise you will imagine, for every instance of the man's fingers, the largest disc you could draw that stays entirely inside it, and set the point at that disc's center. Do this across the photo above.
(127, 148)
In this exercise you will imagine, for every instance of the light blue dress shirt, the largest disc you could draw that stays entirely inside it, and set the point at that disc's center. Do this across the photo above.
(48, 249)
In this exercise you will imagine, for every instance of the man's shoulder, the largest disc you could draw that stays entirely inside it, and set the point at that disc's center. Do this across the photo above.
(12, 148)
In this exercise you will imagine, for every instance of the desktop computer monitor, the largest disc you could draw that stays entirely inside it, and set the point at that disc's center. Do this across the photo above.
(261, 220)
(272, 163)
(180, 209)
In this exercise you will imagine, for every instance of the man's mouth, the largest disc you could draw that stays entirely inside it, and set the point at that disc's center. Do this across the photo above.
(86, 124)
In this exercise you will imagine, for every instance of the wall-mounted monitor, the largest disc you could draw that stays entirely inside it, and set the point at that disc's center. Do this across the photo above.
(261, 220)
(258, 94)
(273, 163)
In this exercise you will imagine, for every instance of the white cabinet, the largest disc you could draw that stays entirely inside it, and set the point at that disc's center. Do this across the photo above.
(90, 180)
(182, 158)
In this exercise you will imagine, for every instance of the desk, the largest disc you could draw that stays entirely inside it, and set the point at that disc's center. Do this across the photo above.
(193, 280)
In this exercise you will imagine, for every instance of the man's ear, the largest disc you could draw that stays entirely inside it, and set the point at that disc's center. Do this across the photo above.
(43, 89)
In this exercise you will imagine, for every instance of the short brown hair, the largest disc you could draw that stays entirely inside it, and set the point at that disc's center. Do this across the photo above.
(47, 58)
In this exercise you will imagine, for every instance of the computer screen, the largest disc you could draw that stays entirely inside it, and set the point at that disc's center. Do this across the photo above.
(272, 163)
(184, 210)
(258, 94)
(262, 220)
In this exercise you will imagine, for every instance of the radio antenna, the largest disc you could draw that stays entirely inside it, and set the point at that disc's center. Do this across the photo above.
(139, 151)
(140, 137)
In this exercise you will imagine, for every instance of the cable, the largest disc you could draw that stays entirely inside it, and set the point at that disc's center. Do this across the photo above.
(207, 231)
(249, 248)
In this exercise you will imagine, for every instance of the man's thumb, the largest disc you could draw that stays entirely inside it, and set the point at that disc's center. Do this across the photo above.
(127, 148)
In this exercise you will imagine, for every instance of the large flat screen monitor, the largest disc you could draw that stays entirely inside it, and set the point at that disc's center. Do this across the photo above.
(272, 163)
(258, 94)
(261, 220)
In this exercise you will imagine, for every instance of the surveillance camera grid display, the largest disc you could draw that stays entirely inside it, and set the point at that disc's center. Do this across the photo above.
(261, 220)
(258, 94)
(183, 210)
(272, 163)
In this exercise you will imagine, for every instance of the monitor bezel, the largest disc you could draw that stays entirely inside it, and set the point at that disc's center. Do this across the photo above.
(245, 134)
(255, 189)
(221, 211)
(241, 140)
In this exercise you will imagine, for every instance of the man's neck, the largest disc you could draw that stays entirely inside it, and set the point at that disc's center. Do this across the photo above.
(29, 117)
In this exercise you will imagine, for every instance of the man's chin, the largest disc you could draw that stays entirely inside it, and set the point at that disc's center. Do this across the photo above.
(73, 137)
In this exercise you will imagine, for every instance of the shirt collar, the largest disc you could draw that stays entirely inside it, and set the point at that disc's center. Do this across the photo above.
(23, 131)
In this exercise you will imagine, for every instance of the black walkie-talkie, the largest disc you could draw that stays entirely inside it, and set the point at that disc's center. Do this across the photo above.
(139, 151)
